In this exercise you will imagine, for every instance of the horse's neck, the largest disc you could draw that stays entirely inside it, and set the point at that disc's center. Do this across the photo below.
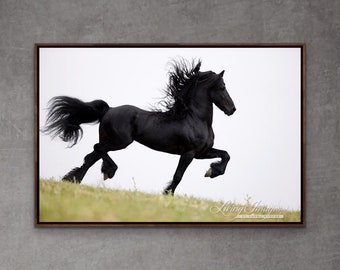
(202, 108)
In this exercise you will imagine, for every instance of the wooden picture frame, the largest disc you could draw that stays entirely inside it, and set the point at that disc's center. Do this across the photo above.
(264, 182)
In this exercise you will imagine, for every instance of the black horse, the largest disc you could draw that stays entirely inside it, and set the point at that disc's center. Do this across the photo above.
(183, 128)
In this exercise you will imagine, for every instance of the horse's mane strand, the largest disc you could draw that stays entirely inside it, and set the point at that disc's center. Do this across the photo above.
(182, 76)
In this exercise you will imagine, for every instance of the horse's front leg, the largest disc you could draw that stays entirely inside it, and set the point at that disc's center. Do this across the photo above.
(216, 168)
(183, 164)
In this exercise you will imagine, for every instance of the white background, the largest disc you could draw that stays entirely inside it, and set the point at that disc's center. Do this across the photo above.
(262, 137)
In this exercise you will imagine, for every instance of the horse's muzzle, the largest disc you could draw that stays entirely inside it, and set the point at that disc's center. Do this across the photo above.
(230, 112)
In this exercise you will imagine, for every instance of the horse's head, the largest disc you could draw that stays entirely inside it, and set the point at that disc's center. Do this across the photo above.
(220, 96)
(188, 83)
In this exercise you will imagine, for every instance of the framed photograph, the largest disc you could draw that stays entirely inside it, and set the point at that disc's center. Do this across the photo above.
(169, 134)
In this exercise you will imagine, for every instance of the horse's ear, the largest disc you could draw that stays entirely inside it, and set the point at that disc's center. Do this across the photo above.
(198, 66)
(221, 74)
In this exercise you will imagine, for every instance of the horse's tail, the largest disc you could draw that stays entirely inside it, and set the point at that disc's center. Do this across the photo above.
(66, 114)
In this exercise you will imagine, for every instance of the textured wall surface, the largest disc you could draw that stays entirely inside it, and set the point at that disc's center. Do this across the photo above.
(23, 23)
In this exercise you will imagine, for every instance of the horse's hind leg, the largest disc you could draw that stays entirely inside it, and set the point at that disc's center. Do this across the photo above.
(77, 174)
(108, 169)
(100, 151)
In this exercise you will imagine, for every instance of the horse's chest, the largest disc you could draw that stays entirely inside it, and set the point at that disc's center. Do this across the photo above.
(203, 137)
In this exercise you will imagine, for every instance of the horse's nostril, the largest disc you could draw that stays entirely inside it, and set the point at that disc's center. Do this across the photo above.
(234, 109)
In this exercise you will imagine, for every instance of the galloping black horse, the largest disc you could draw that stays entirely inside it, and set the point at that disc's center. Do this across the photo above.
(183, 128)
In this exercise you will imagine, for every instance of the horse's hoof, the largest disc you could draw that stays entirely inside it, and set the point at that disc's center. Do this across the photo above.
(168, 192)
(105, 176)
(208, 173)
(71, 180)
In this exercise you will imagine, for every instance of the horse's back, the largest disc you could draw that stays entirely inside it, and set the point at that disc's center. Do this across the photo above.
(124, 111)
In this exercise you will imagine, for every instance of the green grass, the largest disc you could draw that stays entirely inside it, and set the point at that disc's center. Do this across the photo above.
(67, 202)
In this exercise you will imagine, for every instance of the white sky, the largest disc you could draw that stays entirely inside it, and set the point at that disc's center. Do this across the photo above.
(262, 137)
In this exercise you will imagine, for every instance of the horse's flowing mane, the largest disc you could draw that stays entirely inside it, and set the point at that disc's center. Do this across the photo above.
(182, 77)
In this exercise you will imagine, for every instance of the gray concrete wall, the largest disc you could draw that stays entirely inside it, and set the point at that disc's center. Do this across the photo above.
(23, 23)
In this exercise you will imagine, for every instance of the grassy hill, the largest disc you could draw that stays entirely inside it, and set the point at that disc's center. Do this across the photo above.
(67, 202)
